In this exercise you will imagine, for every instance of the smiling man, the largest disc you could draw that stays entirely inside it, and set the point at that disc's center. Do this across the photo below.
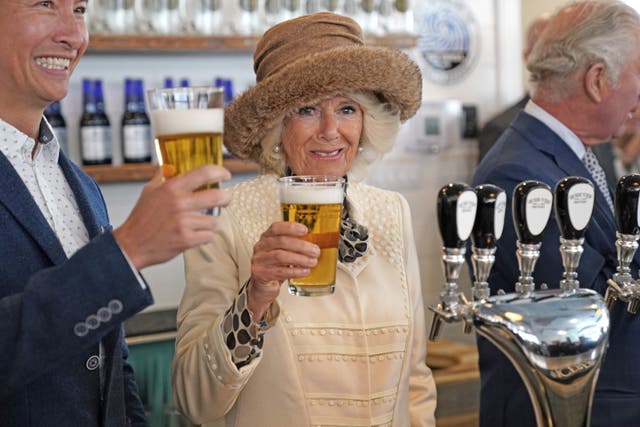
(67, 281)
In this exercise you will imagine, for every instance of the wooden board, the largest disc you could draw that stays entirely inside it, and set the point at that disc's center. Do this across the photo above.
(455, 371)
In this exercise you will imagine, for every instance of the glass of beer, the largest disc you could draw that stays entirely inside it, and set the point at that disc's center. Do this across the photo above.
(187, 123)
(316, 202)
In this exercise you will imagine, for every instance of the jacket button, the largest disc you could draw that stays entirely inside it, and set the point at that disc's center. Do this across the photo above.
(104, 314)
(115, 306)
(80, 329)
(92, 322)
(93, 363)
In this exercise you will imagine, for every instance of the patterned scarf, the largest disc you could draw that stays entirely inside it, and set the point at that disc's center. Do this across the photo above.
(353, 237)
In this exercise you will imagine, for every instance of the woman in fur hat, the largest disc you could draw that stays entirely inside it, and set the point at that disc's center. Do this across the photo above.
(248, 351)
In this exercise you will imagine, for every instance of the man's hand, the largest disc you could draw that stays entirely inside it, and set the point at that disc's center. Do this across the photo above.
(168, 217)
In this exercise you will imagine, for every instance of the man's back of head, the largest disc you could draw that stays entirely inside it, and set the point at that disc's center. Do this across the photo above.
(534, 31)
(577, 64)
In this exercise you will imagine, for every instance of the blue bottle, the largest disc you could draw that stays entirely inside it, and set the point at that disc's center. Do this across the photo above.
(95, 129)
(136, 127)
(53, 114)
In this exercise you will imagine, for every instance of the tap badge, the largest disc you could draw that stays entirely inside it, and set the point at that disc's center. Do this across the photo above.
(580, 198)
(498, 218)
(538, 209)
(448, 39)
(466, 213)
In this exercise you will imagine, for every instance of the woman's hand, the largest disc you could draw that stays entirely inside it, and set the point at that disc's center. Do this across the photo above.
(279, 255)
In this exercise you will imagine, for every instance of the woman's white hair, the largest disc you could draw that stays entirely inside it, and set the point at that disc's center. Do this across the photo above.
(380, 126)
(601, 31)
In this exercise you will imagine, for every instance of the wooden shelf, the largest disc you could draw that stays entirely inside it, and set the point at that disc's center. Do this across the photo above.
(140, 42)
(396, 41)
(240, 166)
(144, 171)
(122, 43)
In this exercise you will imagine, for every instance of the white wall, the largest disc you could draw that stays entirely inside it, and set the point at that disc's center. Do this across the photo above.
(494, 82)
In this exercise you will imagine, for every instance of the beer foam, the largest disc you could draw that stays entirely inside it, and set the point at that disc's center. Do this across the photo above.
(175, 122)
(311, 196)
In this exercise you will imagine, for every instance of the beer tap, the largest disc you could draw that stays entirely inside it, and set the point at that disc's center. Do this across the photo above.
(622, 286)
(574, 201)
(487, 229)
(457, 204)
(532, 203)
(555, 338)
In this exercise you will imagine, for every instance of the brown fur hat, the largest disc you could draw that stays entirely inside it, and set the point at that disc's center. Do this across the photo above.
(313, 57)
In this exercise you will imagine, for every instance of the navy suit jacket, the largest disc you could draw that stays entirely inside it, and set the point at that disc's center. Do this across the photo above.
(492, 130)
(529, 150)
(54, 312)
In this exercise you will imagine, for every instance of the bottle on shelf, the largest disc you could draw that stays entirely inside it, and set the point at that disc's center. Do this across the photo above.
(168, 82)
(247, 19)
(291, 9)
(136, 127)
(95, 129)
(227, 84)
(203, 16)
(53, 114)
(184, 82)
(273, 11)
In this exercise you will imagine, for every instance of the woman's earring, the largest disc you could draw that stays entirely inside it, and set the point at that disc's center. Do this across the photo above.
(360, 148)
(276, 148)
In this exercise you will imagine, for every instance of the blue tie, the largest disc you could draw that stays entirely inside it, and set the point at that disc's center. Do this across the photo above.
(597, 173)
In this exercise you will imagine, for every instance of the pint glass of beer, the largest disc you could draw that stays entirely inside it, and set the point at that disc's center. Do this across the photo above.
(316, 202)
(187, 123)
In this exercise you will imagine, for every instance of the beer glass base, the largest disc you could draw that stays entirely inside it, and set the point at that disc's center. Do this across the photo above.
(311, 291)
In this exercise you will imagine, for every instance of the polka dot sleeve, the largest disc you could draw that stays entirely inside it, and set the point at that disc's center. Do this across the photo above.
(244, 336)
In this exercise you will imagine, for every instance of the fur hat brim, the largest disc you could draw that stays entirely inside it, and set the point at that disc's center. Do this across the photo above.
(389, 73)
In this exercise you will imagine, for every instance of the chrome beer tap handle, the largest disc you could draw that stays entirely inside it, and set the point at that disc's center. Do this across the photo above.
(487, 229)
(532, 204)
(457, 204)
(574, 201)
(623, 286)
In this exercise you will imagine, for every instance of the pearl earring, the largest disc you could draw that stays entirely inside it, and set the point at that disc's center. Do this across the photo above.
(360, 148)
(276, 148)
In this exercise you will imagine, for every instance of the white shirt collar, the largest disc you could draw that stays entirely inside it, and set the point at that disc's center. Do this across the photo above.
(14, 142)
(566, 134)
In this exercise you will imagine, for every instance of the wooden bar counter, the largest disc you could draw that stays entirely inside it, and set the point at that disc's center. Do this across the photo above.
(455, 370)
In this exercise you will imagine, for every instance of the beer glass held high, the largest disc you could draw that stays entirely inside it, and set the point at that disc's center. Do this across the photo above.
(316, 202)
(187, 123)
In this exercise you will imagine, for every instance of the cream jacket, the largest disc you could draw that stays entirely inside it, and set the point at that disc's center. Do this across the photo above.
(353, 358)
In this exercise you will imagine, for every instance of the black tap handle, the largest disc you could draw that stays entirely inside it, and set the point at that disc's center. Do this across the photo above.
(492, 204)
(575, 197)
(457, 204)
(532, 204)
(626, 204)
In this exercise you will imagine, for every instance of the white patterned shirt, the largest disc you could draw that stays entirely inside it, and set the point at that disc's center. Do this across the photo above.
(45, 181)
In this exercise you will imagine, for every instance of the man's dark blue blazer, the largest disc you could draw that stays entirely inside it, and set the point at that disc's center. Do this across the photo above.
(529, 150)
(55, 311)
